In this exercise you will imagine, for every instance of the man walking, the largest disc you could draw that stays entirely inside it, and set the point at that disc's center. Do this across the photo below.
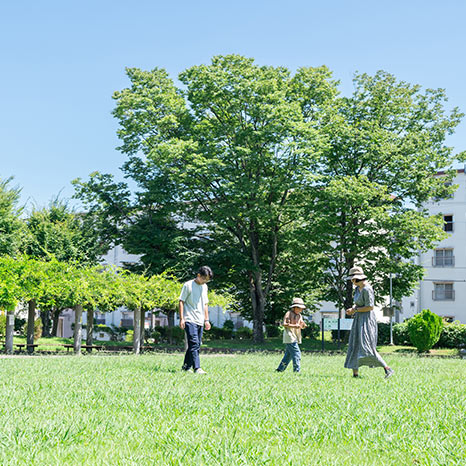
(194, 316)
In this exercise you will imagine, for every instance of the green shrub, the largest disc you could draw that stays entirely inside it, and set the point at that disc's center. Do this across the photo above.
(19, 325)
(129, 336)
(217, 333)
(383, 333)
(344, 335)
(425, 329)
(37, 328)
(453, 335)
(228, 324)
(175, 334)
(161, 330)
(244, 333)
(401, 334)
(2, 325)
(156, 336)
(18, 328)
(272, 330)
(312, 330)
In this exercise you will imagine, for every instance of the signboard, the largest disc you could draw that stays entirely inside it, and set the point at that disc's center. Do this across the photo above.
(332, 324)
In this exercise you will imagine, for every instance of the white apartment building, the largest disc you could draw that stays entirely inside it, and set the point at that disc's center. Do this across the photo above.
(443, 289)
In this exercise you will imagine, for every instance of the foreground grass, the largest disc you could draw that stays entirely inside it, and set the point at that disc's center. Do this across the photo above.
(127, 410)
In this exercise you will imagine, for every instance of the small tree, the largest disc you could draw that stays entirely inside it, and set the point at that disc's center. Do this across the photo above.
(425, 329)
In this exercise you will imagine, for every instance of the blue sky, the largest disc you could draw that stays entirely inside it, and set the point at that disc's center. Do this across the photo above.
(61, 62)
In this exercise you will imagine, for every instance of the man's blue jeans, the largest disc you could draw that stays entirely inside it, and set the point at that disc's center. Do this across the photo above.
(292, 353)
(194, 337)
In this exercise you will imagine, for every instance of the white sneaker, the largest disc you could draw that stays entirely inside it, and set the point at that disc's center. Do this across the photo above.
(200, 371)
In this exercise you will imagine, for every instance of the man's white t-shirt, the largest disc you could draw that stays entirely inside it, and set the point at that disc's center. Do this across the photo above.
(194, 297)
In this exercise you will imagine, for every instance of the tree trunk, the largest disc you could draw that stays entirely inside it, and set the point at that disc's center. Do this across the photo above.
(90, 329)
(143, 321)
(55, 318)
(10, 327)
(78, 312)
(30, 326)
(348, 295)
(137, 331)
(45, 316)
(258, 307)
(255, 287)
(171, 318)
(171, 324)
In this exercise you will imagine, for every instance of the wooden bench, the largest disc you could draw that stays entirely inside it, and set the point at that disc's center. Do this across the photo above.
(20, 346)
(96, 347)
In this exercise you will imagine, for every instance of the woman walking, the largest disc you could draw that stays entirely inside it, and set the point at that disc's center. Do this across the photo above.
(362, 345)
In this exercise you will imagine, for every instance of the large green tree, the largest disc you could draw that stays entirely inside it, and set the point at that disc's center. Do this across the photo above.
(385, 147)
(234, 146)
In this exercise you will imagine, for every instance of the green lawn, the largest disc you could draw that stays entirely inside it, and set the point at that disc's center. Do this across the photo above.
(129, 410)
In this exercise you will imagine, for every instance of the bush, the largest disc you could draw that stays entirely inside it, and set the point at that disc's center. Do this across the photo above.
(383, 333)
(117, 333)
(344, 335)
(2, 325)
(129, 336)
(401, 334)
(161, 330)
(272, 330)
(19, 325)
(425, 329)
(155, 335)
(18, 328)
(37, 328)
(244, 333)
(312, 330)
(175, 334)
(228, 324)
(453, 335)
(217, 333)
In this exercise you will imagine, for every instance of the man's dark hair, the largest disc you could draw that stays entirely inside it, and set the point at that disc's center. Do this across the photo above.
(206, 271)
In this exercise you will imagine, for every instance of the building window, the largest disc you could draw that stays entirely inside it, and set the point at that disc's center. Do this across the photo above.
(99, 318)
(443, 292)
(443, 258)
(448, 222)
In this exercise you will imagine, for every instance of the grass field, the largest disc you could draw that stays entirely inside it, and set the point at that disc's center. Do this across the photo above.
(129, 410)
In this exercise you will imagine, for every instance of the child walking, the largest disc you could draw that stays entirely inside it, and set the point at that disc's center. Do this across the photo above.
(293, 323)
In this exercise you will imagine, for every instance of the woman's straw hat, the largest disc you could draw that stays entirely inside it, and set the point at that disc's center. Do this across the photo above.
(355, 271)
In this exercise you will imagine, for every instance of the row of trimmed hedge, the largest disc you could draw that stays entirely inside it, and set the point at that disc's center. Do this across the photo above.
(453, 335)
(176, 334)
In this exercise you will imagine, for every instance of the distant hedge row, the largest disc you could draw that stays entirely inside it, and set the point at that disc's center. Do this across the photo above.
(452, 336)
